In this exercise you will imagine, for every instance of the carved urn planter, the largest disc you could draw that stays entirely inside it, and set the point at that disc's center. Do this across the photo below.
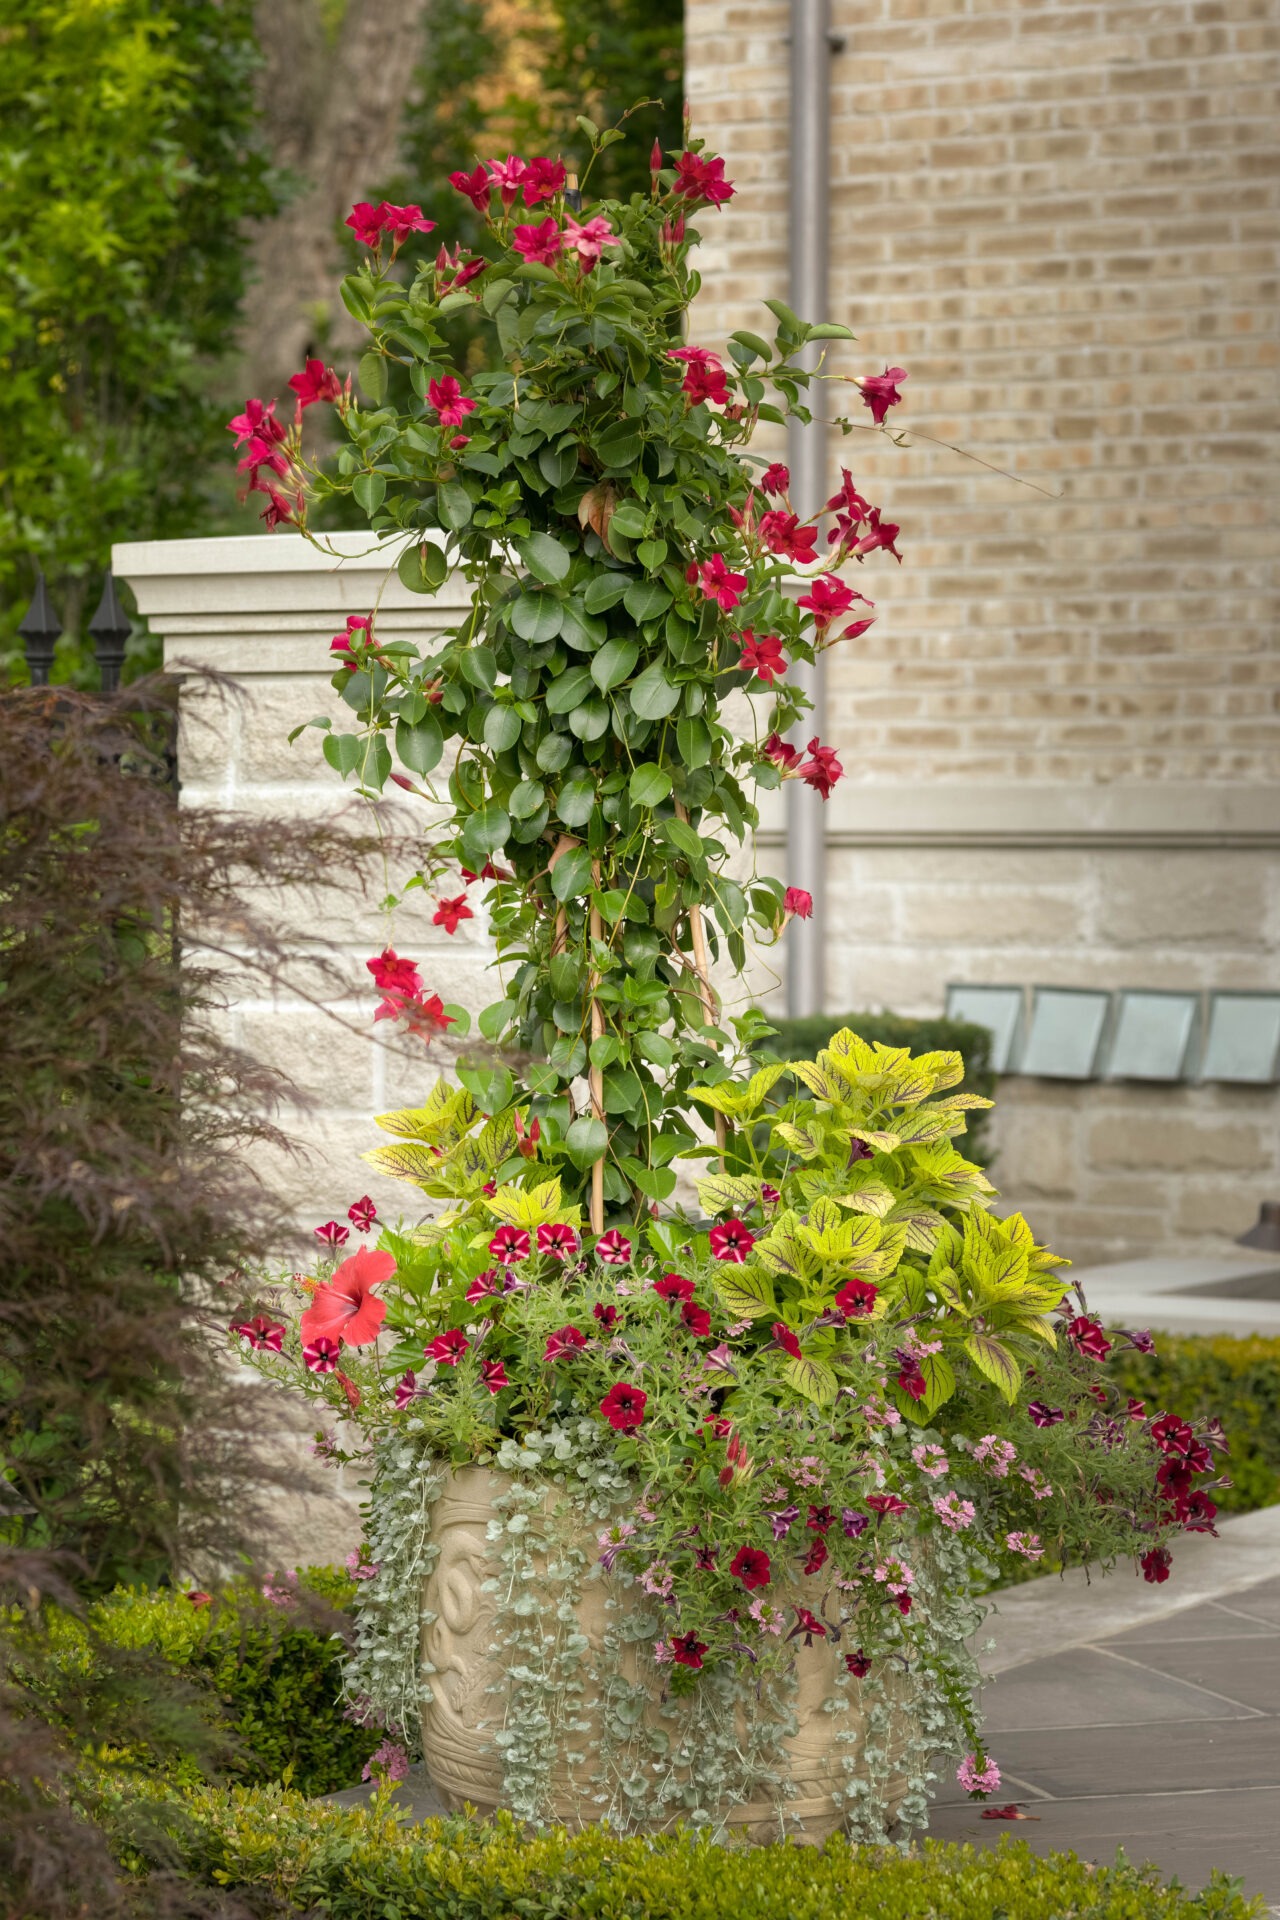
(471, 1689)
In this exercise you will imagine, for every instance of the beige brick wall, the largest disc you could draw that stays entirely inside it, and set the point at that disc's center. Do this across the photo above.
(1064, 221)
(1061, 738)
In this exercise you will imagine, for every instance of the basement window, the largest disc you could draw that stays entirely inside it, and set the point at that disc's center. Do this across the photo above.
(999, 1010)
(1243, 1039)
(1068, 1025)
(1154, 1034)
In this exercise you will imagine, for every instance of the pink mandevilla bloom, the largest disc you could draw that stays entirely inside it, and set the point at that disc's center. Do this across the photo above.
(719, 583)
(826, 600)
(540, 243)
(702, 179)
(543, 179)
(508, 177)
(452, 405)
(795, 900)
(475, 186)
(822, 769)
(400, 222)
(775, 479)
(588, 241)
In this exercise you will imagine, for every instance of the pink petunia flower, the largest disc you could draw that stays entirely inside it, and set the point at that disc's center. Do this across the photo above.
(557, 1241)
(345, 1308)
(732, 1241)
(510, 1245)
(613, 1248)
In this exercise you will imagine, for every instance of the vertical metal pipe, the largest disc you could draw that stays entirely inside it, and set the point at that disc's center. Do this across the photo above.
(807, 458)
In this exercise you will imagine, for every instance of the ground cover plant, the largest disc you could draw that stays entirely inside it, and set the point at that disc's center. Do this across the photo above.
(364, 1864)
(803, 1399)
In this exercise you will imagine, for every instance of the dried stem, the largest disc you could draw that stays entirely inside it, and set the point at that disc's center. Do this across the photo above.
(702, 967)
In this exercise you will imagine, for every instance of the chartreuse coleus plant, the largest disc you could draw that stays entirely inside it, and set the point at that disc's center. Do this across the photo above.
(630, 563)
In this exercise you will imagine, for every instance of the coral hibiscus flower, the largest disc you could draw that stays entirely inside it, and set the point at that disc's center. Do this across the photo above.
(345, 1309)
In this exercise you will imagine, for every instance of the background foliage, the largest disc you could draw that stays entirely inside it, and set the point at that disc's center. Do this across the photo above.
(1198, 1376)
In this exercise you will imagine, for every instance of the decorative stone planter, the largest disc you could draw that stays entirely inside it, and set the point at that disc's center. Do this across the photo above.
(459, 1722)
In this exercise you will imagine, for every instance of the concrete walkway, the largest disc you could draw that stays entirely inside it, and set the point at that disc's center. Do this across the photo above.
(1143, 1717)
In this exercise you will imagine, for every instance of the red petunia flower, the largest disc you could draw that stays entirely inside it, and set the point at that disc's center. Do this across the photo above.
(321, 1355)
(607, 1316)
(476, 186)
(786, 1339)
(557, 1241)
(886, 1503)
(566, 1340)
(333, 1233)
(623, 1407)
(1155, 1565)
(782, 533)
(674, 1286)
(820, 1519)
(880, 391)
(698, 179)
(1170, 1434)
(494, 1375)
(613, 1248)
(482, 1286)
(540, 243)
(763, 657)
(770, 1195)
(447, 1348)
(816, 1558)
(450, 913)
(696, 1319)
(687, 1650)
(345, 1308)
(902, 1601)
(731, 1241)
(510, 1245)
(199, 1599)
(809, 1625)
(822, 769)
(718, 583)
(1043, 1416)
(857, 1299)
(451, 404)
(407, 1390)
(316, 382)
(910, 1378)
(362, 1214)
(797, 901)
(827, 599)
(1087, 1337)
(775, 479)
(752, 1566)
(263, 1335)
(858, 1664)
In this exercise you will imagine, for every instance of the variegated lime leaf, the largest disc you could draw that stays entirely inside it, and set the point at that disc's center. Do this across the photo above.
(805, 1141)
(408, 1161)
(725, 1098)
(727, 1193)
(813, 1378)
(761, 1083)
(940, 1382)
(996, 1362)
(527, 1206)
(922, 1225)
(874, 1198)
(922, 1129)
(780, 1251)
(824, 1086)
(879, 1138)
(946, 1284)
(1033, 1324)
(746, 1293)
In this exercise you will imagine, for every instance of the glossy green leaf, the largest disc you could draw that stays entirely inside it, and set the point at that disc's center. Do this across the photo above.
(502, 728)
(571, 875)
(613, 663)
(369, 491)
(569, 690)
(537, 617)
(545, 557)
(420, 748)
(646, 599)
(653, 696)
(605, 591)
(587, 1140)
(423, 567)
(649, 785)
(577, 802)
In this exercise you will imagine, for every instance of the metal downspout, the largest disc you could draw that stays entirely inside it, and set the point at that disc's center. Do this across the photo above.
(806, 456)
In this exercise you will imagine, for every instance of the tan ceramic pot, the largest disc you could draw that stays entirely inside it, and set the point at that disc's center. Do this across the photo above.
(459, 1722)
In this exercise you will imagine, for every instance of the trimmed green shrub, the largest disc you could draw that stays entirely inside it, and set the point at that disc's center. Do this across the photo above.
(803, 1039)
(272, 1675)
(365, 1864)
(1202, 1377)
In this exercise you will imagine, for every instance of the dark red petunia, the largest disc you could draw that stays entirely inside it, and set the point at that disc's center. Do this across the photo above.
(858, 1664)
(447, 1348)
(808, 1624)
(265, 1336)
(1156, 1564)
(820, 1519)
(856, 1300)
(623, 1407)
(1087, 1337)
(494, 1375)
(752, 1566)
(786, 1339)
(696, 1319)
(557, 1240)
(673, 1286)
(1043, 1416)
(816, 1558)
(687, 1650)
(607, 1316)
(886, 1503)
(731, 1241)
(333, 1234)
(510, 1245)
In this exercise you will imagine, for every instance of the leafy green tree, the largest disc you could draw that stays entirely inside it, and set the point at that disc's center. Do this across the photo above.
(129, 157)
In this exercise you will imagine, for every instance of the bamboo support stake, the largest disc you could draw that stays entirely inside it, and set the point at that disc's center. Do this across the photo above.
(702, 967)
(597, 1073)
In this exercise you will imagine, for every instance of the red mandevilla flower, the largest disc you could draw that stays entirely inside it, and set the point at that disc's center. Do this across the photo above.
(718, 583)
(613, 1248)
(589, 240)
(731, 1241)
(447, 1348)
(316, 382)
(782, 533)
(880, 391)
(782, 755)
(775, 479)
(763, 657)
(558, 1242)
(475, 186)
(391, 974)
(822, 770)
(752, 1566)
(543, 179)
(698, 179)
(566, 1340)
(449, 913)
(704, 377)
(510, 1245)
(797, 901)
(540, 243)
(508, 177)
(365, 221)
(623, 1407)
(674, 1286)
(345, 1308)
(452, 405)
(827, 599)
(857, 1299)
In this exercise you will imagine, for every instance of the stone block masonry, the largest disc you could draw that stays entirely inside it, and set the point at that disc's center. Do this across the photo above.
(1061, 738)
